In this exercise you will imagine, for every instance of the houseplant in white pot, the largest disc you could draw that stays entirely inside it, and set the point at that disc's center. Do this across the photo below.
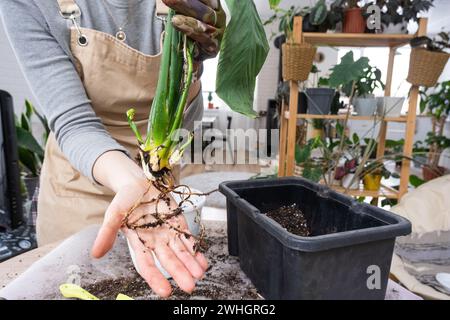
(365, 103)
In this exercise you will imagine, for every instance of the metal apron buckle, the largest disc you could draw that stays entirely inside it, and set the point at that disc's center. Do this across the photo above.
(72, 12)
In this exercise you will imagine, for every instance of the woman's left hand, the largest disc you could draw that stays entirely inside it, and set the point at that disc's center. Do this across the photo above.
(203, 21)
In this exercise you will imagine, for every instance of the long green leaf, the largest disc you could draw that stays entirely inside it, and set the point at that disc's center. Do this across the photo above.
(26, 140)
(159, 114)
(28, 160)
(244, 50)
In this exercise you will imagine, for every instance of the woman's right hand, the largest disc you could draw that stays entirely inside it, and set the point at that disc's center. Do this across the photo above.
(174, 250)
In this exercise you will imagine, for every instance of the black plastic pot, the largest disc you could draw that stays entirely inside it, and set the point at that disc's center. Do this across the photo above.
(348, 255)
(319, 100)
(302, 103)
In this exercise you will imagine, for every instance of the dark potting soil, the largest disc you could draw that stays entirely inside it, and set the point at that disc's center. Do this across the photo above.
(292, 219)
(223, 280)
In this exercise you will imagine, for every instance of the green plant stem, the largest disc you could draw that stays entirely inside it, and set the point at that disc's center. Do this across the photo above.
(159, 114)
(189, 48)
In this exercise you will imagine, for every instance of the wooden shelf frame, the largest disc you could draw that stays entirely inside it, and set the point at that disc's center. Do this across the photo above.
(289, 124)
(343, 116)
(357, 39)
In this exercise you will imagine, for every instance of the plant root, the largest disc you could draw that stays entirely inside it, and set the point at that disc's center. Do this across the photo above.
(164, 183)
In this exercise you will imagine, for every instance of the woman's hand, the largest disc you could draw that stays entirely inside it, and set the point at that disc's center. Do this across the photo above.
(173, 250)
(203, 21)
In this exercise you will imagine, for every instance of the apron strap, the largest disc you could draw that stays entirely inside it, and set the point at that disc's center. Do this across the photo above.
(69, 9)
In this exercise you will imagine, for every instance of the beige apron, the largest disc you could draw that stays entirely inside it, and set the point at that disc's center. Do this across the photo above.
(116, 77)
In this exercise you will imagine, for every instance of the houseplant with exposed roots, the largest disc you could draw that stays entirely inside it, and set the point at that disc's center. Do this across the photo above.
(243, 50)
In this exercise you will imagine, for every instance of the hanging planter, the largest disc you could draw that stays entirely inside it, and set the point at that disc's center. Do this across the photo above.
(297, 61)
(425, 67)
(428, 59)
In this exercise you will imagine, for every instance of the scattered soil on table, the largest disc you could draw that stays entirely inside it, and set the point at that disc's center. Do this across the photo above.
(292, 219)
(223, 280)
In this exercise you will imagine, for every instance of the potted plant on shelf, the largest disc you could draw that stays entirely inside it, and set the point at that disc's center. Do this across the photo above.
(31, 152)
(316, 18)
(428, 59)
(343, 78)
(396, 14)
(352, 161)
(307, 166)
(297, 58)
(420, 153)
(320, 99)
(353, 18)
(365, 103)
(436, 104)
(374, 171)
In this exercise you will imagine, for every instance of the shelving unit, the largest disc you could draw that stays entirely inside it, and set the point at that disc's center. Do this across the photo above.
(289, 124)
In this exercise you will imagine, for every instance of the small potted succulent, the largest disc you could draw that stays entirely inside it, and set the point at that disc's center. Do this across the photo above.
(396, 14)
(428, 59)
(436, 103)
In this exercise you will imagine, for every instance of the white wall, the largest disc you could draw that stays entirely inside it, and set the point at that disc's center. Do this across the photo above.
(11, 77)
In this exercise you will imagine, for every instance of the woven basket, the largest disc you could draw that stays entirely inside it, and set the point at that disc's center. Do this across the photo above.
(425, 67)
(297, 61)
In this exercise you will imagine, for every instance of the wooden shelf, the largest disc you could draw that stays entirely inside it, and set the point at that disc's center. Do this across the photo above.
(357, 39)
(384, 192)
(343, 116)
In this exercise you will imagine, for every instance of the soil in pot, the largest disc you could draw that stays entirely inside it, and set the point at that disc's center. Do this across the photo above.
(354, 21)
(292, 219)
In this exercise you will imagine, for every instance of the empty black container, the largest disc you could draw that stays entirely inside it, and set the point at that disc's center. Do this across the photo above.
(348, 255)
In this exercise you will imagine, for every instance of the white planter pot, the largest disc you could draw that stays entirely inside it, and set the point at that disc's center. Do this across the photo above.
(191, 212)
(390, 106)
(365, 106)
(347, 182)
(399, 28)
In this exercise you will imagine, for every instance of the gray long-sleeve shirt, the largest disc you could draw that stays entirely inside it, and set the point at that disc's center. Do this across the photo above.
(40, 38)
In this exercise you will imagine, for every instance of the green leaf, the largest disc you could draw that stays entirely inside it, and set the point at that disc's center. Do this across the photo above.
(415, 181)
(355, 139)
(302, 154)
(25, 123)
(319, 13)
(29, 109)
(28, 160)
(244, 50)
(348, 70)
(274, 3)
(26, 140)
(312, 173)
